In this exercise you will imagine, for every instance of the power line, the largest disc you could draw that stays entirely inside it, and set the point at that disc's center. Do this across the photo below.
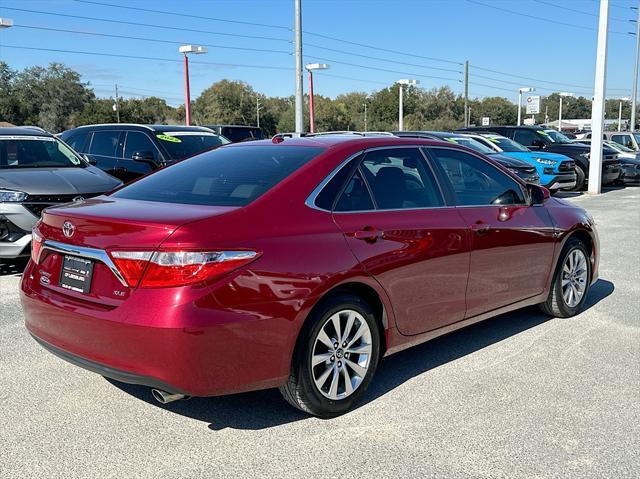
(355, 79)
(166, 27)
(186, 15)
(562, 7)
(146, 39)
(516, 83)
(136, 57)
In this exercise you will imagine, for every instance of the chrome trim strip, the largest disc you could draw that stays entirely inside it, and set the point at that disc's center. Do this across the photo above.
(84, 252)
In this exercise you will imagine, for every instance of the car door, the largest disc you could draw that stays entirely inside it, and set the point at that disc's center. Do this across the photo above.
(105, 148)
(140, 156)
(529, 138)
(396, 223)
(512, 243)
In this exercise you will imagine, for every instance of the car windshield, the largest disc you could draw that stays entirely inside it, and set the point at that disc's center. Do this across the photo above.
(183, 144)
(506, 144)
(233, 176)
(555, 136)
(36, 152)
(470, 143)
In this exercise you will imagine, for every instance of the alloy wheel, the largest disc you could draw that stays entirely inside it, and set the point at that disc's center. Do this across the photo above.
(574, 278)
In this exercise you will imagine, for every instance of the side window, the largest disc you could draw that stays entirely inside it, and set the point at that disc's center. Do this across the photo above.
(138, 142)
(399, 179)
(77, 142)
(105, 143)
(624, 140)
(525, 137)
(355, 196)
(332, 189)
(475, 182)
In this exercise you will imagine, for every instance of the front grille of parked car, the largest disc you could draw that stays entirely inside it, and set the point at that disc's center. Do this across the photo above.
(36, 203)
(566, 166)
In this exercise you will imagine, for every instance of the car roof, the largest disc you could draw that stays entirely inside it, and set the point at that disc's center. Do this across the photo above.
(23, 131)
(140, 127)
(334, 141)
(213, 125)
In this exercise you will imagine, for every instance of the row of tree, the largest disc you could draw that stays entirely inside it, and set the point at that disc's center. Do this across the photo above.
(56, 98)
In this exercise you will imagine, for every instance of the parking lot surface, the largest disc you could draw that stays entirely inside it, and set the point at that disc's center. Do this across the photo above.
(521, 395)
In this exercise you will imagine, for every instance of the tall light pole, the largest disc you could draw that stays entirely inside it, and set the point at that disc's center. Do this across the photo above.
(620, 112)
(634, 89)
(597, 106)
(365, 117)
(299, 109)
(520, 92)
(401, 83)
(186, 50)
(562, 95)
(310, 68)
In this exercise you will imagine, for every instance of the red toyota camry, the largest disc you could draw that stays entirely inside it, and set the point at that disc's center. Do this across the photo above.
(297, 264)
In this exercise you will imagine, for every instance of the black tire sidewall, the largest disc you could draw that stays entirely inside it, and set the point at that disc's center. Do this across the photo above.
(318, 404)
(580, 177)
(571, 245)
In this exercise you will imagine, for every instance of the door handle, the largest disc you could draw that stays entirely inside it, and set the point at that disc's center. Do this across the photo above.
(368, 234)
(480, 228)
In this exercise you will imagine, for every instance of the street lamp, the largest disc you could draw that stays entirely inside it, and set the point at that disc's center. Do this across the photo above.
(620, 112)
(401, 83)
(562, 95)
(186, 50)
(365, 116)
(6, 23)
(310, 68)
(520, 92)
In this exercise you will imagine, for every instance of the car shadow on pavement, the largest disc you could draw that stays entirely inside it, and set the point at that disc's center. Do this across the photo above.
(264, 409)
(10, 267)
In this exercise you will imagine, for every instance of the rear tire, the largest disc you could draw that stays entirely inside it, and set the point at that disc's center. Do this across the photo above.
(571, 281)
(336, 356)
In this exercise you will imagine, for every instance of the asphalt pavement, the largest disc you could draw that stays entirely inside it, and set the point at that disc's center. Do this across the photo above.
(521, 395)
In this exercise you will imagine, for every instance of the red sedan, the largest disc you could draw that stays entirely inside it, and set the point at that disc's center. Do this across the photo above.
(297, 264)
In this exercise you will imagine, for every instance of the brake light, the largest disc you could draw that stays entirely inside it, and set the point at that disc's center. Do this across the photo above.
(177, 268)
(36, 246)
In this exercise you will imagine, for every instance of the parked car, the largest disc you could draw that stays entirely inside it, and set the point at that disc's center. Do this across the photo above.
(238, 133)
(629, 161)
(128, 151)
(36, 171)
(556, 171)
(537, 138)
(184, 282)
(627, 139)
(524, 170)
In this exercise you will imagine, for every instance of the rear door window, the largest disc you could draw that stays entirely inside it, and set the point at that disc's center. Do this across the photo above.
(233, 176)
(138, 142)
(77, 142)
(526, 137)
(105, 143)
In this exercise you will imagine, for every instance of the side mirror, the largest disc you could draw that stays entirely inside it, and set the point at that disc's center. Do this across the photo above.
(144, 156)
(91, 161)
(538, 194)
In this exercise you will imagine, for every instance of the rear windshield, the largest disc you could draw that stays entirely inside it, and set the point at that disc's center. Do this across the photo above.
(225, 177)
(237, 134)
(183, 144)
(36, 152)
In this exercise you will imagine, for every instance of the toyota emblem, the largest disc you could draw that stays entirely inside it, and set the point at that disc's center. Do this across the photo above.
(68, 229)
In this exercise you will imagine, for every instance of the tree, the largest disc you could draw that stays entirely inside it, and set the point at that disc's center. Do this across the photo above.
(227, 102)
(9, 104)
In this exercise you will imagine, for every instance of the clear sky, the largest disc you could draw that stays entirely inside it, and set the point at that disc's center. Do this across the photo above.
(550, 42)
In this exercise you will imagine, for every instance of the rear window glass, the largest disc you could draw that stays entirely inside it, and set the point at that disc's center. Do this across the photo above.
(223, 177)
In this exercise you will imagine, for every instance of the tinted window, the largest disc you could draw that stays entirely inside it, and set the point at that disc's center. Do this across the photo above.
(77, 141)
(225, 177)
(623, 140)
(36, 152)
(476, 182)
(399, 179)
(527, 137)
(184, 144)
(332, 189)
(138, 142)
(237, 134)
(105, 143)
(506, 144)
(355, 196)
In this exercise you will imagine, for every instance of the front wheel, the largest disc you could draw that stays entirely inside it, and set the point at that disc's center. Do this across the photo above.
(336, 357)
(580, 178)
(571, 281)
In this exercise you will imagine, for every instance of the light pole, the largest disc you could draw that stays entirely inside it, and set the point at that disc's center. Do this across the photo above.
(520, 92)
(299, 108)
(186, 50)
(310, 68)
(562, 95)
(401, 83)
(365, 116)
(620, 112)
(634, 90)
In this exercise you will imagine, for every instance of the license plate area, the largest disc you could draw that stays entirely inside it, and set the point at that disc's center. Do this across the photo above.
(76, 274)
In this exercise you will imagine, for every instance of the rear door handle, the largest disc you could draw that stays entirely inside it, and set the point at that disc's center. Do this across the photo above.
(368, 234)
(480, 228)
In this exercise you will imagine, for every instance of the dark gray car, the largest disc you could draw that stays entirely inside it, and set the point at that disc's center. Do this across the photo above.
(38, 170)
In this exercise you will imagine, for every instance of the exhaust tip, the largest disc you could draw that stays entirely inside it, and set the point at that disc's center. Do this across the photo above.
(163, 397)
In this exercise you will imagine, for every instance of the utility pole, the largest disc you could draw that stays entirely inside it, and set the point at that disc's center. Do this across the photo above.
(299, 85)
(466, 93)
(635, 74)
(258, 112)
(117, 105)
(365, 117)
(597, 109)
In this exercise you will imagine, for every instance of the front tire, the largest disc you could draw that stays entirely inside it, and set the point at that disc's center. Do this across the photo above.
(336, 356)
(571, 281)
(580, 177)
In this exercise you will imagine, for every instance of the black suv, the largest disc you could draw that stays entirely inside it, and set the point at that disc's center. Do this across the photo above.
(539, 138)
(128, 151)
(238, 133)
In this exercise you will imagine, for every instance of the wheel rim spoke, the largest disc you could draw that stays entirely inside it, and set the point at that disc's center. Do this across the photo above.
(361, 330)
(320, 358)
(347, 329)
(333, 389)
(359, 370)
(362, 349)
(335, 319)
(323, 377)
(348, 386)
(324, 339)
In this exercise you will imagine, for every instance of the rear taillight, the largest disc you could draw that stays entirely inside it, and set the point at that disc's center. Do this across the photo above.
(176, 268)
(36, 245)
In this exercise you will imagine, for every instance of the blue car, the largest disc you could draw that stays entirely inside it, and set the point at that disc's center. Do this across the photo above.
(556, 171)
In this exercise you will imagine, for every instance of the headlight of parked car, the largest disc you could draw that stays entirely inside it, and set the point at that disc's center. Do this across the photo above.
(11, 196)
(546, 161)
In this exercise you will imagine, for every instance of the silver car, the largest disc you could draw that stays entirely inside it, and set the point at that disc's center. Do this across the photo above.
(38, 170)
